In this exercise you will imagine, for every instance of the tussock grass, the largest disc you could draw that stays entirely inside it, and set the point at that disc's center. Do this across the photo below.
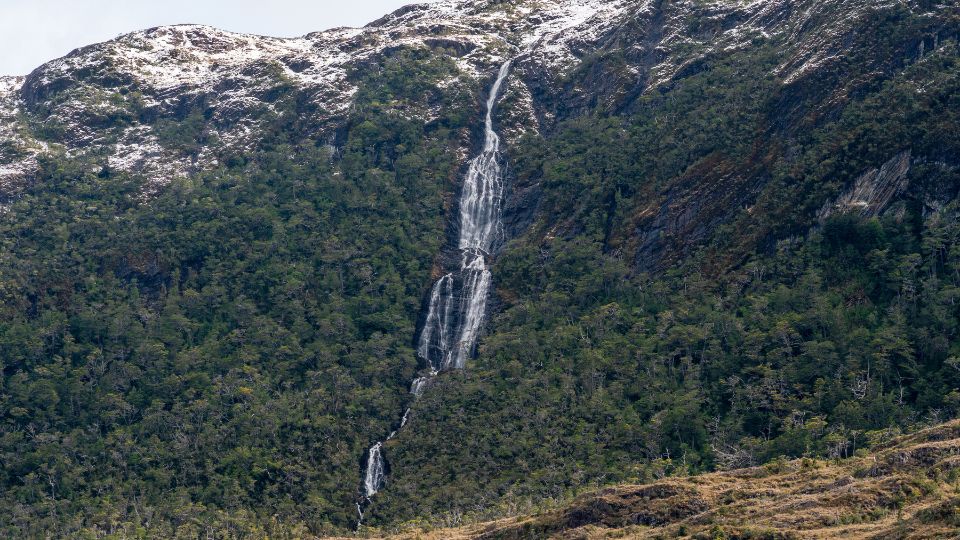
(908, 488)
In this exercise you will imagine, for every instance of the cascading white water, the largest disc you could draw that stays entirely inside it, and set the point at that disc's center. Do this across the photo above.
(483, 186)
(373, 479)
(453, 321)
(473, 305)
(436, 334)
(420, 384)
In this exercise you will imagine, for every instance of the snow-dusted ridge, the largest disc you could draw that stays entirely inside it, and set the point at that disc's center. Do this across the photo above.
(66, 105)
(159, 70)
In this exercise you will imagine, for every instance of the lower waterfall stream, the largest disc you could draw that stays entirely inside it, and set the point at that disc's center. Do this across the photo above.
(458, 300)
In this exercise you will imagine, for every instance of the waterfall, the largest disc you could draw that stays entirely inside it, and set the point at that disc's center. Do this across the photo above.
(473, 300)
(458, 300)
(453, 321)
(435, 338)
(420, 384)
(373, 479)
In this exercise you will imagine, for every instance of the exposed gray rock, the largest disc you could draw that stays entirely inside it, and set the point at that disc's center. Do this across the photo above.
(872, 191)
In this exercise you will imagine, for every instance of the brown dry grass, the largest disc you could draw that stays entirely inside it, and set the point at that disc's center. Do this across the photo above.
(908, 489)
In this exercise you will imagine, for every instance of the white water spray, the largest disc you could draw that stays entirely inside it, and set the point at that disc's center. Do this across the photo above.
(373, 479)
(453, 322)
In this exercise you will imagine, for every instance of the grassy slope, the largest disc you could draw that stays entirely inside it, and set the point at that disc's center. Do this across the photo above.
(907, 488)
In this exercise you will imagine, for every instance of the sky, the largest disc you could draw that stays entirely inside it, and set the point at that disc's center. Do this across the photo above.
(35, 31)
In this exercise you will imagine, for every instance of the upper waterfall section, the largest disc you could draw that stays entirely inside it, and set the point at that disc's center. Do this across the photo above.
(482, 192)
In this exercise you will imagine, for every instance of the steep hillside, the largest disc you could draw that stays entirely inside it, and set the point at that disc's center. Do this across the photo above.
(737, 264)
(717, 233)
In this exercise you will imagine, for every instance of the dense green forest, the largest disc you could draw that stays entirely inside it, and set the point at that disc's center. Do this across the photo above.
(219, 356)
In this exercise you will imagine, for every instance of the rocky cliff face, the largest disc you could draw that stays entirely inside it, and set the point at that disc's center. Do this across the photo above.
(873, 190)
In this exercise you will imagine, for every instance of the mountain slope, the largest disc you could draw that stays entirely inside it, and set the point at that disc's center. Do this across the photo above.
(729, 234)
(674, 294)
